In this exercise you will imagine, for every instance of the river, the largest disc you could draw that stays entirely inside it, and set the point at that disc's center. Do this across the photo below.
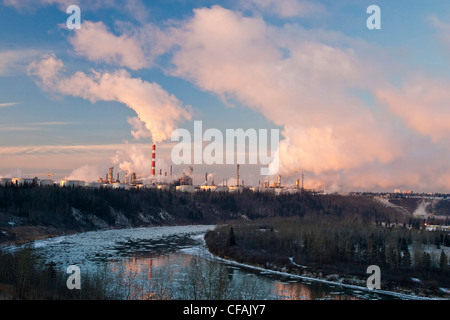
(157, 263)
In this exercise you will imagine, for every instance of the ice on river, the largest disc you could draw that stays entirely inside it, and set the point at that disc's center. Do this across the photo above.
(84, 249)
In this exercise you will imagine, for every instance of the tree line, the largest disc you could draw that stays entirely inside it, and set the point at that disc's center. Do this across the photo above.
(53, 206)
(342, 244)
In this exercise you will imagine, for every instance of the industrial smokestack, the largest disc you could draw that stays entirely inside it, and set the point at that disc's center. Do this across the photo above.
(279, 180)
(111, 175)
(153, 160)
(237, 176)
(302, 179)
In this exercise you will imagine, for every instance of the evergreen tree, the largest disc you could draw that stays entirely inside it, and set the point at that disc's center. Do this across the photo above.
(231, 241)
(443, 262)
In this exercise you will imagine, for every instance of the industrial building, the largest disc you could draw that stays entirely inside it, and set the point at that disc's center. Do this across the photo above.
(5, 181)
(186, 188)
(71, 183)
(46, 183)
(93, 185)
(164, 182)
(22, 181)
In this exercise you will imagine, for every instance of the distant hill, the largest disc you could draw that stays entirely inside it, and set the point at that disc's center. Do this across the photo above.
(68, 209)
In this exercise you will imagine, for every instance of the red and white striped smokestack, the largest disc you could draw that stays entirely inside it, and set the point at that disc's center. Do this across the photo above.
(153, 160)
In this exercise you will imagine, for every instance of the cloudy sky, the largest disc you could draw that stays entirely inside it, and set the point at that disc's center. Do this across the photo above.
(358, 109)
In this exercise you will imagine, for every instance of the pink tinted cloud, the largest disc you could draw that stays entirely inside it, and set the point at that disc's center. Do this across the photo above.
(160, 111)
(286, 8)
(134, 8)
(325, 128)
(95, 42)
(422, 104)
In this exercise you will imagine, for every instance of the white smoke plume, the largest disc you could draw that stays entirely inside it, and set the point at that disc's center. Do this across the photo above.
(87, 173)
(17, 173)
(136, 158)
(343, 123)
(157, 109)
(139, 131)
(133, 159)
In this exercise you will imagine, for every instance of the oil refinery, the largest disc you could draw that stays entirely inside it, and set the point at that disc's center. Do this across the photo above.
(164, 181)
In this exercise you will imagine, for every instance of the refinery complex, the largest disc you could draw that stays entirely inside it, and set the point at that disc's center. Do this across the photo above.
(163, 181)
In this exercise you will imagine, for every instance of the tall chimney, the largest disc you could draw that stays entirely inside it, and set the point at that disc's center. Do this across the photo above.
(302, 180)
(111, 175)
(153, 160)
(279, 180)
(237, 176)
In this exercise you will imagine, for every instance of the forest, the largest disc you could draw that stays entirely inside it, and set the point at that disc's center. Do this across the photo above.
(323, 244)
(82, 209)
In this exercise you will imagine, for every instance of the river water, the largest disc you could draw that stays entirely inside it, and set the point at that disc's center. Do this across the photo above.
(156, 263)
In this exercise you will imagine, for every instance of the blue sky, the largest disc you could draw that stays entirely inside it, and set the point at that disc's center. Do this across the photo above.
(350, 123)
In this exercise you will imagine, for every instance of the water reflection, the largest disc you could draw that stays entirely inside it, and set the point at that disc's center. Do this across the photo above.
(148, 278)
(311, 291)
(164, 277)
(162, 263)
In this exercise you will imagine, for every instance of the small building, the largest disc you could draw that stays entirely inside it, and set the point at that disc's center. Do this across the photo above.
(186, 188)
(266, 190)
(46, 183)
(22, 181)
(291, 191)
(236, 189)
(437, 228)
(71, 183)
(222, 189)
(120, 186)
(93, 185)
(208, 188)
(163, 187)
(5, 181)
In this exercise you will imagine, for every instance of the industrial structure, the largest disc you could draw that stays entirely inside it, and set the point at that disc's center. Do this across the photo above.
(166, 181)
(153, 160)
